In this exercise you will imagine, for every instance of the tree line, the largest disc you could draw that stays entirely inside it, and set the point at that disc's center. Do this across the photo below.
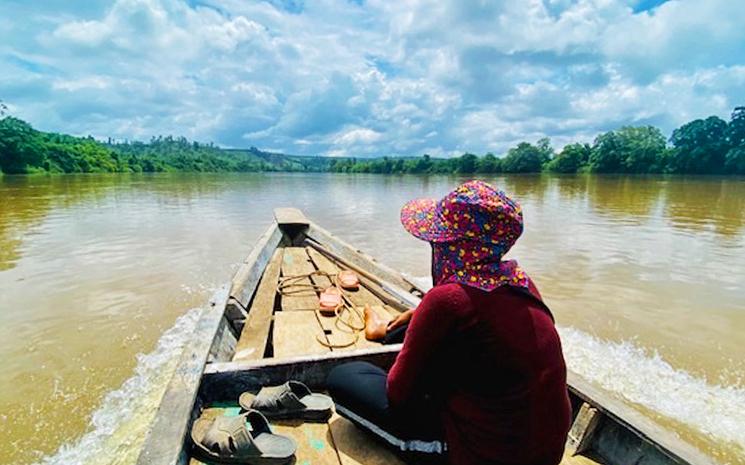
(702, 146)
(24, 150)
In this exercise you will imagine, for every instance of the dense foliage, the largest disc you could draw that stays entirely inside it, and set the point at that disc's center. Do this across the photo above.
(25, 150)
(706, 146)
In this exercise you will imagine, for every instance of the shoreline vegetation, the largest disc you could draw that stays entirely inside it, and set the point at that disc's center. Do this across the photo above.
(702, 146)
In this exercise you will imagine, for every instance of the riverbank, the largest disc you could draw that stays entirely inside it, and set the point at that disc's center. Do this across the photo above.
(97, 268)
(702, 146)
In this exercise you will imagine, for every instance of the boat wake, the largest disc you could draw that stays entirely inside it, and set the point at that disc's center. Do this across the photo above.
(640, 377)
(119, 426)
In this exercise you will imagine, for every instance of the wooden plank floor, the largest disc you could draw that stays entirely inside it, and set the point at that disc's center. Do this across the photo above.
(294, 335)
(296, 326)
(252, 342)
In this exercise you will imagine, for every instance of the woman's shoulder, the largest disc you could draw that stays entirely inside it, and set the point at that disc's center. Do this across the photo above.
(448, 294)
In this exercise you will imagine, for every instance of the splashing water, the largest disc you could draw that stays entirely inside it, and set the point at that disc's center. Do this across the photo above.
(643, 377)
(118, 427)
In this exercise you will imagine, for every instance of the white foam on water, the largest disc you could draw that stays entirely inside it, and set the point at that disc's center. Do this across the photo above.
(118, 427)
(641, 376)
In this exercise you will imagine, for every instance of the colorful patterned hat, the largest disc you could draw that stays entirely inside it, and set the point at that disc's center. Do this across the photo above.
(475, 211)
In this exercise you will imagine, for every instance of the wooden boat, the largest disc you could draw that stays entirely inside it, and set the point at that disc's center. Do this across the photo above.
(250, 336)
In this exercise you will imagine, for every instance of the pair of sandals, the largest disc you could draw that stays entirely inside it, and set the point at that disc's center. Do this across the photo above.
(247, 438)
(330, 300)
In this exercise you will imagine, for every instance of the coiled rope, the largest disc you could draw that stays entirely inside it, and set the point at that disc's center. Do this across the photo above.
(344, 313)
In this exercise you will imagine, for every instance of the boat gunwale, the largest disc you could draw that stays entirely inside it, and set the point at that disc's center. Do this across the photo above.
(296, 229)
(165, 441)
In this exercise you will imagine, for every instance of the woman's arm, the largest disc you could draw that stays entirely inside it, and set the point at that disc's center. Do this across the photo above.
(430, 324)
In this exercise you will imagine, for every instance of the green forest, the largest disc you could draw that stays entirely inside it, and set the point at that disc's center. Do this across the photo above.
(702, 146)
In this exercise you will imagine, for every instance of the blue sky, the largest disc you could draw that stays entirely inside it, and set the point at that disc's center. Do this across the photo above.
(370, 77)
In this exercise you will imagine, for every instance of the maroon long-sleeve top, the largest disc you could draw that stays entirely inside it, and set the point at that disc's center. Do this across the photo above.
(496, 360)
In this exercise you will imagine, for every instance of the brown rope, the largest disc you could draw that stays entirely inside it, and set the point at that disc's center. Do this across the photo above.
(292, 285)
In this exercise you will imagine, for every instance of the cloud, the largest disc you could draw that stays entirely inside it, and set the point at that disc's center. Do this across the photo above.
(370, 78)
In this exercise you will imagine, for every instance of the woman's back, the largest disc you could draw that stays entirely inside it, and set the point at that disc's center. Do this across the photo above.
(495, 360)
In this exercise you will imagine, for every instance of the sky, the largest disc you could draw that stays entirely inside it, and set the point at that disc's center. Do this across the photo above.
(370, 77)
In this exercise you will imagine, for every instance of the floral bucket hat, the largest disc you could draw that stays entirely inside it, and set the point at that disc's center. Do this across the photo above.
(470, 230)
(474, 211)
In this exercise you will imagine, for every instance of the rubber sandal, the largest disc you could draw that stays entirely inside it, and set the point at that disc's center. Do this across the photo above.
(348, 279)
(245, 438)
(292, 400)
(329, 301)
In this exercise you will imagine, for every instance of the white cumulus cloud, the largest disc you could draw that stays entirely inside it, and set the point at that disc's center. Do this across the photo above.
(374, 77)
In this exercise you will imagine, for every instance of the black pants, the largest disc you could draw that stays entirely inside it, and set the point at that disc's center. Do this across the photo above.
(359, 392)
(396, 336)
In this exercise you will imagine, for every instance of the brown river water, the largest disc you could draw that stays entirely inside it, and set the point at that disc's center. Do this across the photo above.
(103, 276)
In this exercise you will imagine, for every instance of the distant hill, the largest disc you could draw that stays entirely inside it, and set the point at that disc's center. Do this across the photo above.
(25, 150)
(284, 162)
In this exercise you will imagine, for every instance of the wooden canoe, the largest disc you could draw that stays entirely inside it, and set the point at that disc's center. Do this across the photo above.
(250, 336)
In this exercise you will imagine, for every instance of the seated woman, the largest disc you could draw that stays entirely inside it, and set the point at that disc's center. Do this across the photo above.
(480, 378)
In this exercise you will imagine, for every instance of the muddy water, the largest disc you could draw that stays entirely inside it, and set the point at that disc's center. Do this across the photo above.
(102, 277)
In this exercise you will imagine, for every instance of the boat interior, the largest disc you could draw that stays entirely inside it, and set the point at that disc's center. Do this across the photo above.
(253, 335)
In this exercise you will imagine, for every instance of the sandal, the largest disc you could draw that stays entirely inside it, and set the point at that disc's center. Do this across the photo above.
(245, 438)
(292, 400)
(348, 279)
(329, 301)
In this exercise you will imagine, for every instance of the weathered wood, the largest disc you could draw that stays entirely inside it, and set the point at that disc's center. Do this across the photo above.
(359, 297)
(255, 331)
(247, 277)
(234, 312)
(355, 447)
(584, 426)
(292, 222)
(227, 380)
(621, 434)
(223, 346)
(164, 445)
(626, 435)
(290, 216)
(314, 442)
(386, 291)
(295, 262)
(358, 258)
(295, 334)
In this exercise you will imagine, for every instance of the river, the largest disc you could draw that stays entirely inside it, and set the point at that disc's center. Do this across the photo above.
(102, 276)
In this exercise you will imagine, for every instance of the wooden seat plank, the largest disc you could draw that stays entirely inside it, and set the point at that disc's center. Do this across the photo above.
(336, 336)
(295, 262)
(356, 447)
(356, 297)
(255, 332)
(359, 297)
(295, 334)
(314, 442)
